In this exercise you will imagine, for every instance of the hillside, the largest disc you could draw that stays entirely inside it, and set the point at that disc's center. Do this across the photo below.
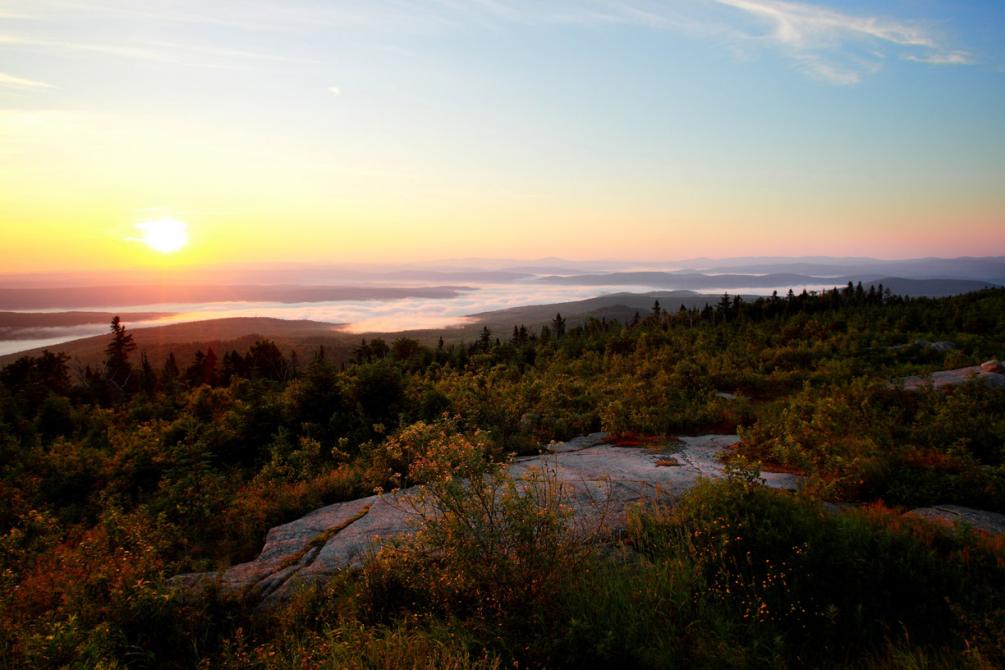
(930, 287)
(184, 339)
(616, 306)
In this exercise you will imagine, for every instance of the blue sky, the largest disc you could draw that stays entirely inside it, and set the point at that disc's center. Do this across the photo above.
(677, 127)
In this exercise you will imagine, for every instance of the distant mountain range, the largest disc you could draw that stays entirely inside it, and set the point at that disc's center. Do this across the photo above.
(486, 270)
(689, 280)
(989, 269)
(110, 296)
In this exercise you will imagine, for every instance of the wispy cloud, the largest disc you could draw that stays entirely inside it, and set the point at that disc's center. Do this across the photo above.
(950, 58)
(10, 81)
(841, 48)
(154, 51)
(118, 50)
(828, 72)
(830, 45)
(823, 42)
(812, 26)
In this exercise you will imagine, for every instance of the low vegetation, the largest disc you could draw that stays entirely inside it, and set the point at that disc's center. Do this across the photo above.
(113, 480)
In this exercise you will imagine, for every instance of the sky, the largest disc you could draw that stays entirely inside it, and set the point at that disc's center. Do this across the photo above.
(395, 131)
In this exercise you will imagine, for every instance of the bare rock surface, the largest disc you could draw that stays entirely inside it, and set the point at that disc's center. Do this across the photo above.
(941, 347)
(993, 365)
(989, 522)
(947, 378)
(597, 479)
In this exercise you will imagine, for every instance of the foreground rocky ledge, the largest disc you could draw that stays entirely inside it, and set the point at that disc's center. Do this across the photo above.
(597, 479)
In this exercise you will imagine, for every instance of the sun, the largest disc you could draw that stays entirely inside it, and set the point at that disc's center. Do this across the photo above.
(164, 235)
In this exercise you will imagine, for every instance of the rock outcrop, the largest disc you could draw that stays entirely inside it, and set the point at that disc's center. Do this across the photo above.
(596, 478)
(990, 375)
(993, 365)
(988, 522)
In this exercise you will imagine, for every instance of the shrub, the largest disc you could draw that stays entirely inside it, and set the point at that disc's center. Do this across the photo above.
(489, 548)
(833, 585)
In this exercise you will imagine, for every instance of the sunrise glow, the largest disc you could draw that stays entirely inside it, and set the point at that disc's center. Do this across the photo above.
(164, 235)
(376, 134)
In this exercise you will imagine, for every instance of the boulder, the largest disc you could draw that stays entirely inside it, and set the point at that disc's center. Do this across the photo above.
(597, 479)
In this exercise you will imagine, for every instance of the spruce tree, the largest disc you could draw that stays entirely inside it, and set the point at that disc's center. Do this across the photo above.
(117, 352)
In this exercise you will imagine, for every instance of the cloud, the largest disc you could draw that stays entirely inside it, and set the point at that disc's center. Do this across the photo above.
(155, 51)
(842, 48)
(832, 74)
(131, 52)
(810, 26)
(950, 58)
(335, 90)
(11, 81)
(826, 44)
(819, 41)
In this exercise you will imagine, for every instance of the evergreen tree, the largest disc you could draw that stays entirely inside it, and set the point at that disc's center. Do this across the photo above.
(170, 372)
(264, 360)
(209, 372)
(117, 366)
(148, 376)
(193, 373)
(558, 326)
(485, 339)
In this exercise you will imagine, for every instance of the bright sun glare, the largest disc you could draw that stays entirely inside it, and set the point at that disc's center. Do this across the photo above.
(164, 235)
